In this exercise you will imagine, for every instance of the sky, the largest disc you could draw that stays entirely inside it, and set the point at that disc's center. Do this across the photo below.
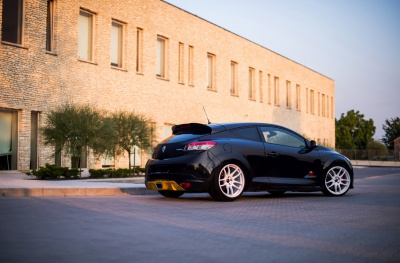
(354, 42)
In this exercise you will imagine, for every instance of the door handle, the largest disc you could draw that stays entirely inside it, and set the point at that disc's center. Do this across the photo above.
(272, 154)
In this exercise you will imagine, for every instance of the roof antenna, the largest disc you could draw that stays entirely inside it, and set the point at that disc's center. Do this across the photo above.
(206, 115)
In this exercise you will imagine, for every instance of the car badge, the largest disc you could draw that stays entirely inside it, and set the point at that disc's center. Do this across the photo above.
(163, 148)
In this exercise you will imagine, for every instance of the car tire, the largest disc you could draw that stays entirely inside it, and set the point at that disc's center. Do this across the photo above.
(228, 182)
(336, 181)
(171, 194)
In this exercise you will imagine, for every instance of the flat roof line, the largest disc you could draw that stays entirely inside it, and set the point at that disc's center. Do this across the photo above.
(246, 39)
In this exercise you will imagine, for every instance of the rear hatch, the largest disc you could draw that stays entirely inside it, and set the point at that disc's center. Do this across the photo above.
(174, 145)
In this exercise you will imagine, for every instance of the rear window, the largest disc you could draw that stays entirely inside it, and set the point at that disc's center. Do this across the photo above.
(181, 138)
(249, 133)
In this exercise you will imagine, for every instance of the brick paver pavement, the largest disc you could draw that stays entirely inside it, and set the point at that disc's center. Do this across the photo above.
(362, 226)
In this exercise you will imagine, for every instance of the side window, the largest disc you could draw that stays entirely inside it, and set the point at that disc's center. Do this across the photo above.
(282, 137)
(249, 133)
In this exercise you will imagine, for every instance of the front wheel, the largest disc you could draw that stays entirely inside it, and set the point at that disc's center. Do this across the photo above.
(228, 182)
(337, 181)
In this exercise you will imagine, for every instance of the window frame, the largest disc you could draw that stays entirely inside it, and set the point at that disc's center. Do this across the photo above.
(191, 66)
(211, 72)
(181, 63)
(120, 44)
(260, 86)
(162, 57)
(252, 77)
(312, 102)
(298, 97)
(276, 91)
(90, 38)
(234, 79)
(20, 21)
(50, 27)
(288, 94)
(139, 50)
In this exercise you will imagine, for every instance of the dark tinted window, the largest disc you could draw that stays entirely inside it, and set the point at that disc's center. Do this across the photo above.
(282, 137)
(180, 138)
(11, 26)
(249, 133)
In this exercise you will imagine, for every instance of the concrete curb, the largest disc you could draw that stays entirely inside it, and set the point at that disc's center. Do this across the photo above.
(375, 163)
(54, 192)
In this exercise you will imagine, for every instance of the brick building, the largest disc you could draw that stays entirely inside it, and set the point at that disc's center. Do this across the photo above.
(145, 56)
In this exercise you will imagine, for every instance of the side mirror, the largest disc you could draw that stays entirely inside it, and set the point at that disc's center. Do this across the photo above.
(313, 144)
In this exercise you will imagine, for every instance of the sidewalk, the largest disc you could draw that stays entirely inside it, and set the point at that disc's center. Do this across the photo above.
(14, 183)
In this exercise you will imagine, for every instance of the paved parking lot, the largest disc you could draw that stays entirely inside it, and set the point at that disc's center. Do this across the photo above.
(362, 226)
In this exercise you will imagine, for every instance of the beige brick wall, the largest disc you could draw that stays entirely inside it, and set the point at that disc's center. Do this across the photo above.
(33, 80)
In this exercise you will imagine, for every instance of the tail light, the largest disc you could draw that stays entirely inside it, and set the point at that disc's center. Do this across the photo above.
(186, 185)
(200, 146)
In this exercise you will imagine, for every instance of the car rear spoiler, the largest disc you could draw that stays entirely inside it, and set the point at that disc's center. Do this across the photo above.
(191, 128)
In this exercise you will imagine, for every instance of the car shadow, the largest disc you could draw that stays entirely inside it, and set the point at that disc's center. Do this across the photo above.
(245, 196)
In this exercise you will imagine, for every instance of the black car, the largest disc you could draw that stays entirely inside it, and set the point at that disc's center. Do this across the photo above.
(227, 159)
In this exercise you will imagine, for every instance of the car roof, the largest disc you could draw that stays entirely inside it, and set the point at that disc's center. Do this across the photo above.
(233, 125)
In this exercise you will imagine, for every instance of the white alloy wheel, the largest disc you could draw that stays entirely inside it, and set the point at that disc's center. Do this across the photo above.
(337, 181)
(231, 180)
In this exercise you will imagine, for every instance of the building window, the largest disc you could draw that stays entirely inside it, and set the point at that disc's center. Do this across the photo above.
(12, 27)
(34, 162)
(269, 89)
(276, 91)
(161, 57)
(251, 84)
(288, 95)
(319, 103)
(332, 115)
(298, 96)
(181, 70)
(191, 66)
(312, 109)
(139, 52)
(327, 106)
(323, 105)
(116, 44)
(260, 85)
(50, 26)
(234, 78)
(307, 100)
(86, 39)
(211, 71)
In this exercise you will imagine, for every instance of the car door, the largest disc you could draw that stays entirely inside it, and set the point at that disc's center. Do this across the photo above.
(288, 160)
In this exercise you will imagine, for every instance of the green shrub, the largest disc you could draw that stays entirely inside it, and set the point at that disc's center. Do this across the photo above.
(51, 171)
(115, 173)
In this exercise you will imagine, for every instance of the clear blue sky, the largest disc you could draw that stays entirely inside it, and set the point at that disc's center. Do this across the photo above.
(354, 42)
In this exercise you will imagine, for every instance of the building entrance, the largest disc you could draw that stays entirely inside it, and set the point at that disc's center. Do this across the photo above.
(8, 140)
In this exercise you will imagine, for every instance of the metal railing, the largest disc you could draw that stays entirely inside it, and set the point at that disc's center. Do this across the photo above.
(371, 155)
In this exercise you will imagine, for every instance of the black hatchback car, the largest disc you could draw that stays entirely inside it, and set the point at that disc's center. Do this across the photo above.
(227, 159)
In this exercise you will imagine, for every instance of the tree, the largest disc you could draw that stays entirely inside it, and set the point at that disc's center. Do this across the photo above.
(132, 130)
(392, 131)
(353, 131)
(75, 128)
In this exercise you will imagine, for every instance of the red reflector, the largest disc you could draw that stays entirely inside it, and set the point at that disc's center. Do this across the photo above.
(186, 185)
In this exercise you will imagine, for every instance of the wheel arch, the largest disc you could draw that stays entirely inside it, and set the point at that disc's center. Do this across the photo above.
(239, 160)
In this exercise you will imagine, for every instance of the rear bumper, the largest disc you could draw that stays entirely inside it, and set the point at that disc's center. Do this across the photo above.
(170, 173)
(164, 185)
